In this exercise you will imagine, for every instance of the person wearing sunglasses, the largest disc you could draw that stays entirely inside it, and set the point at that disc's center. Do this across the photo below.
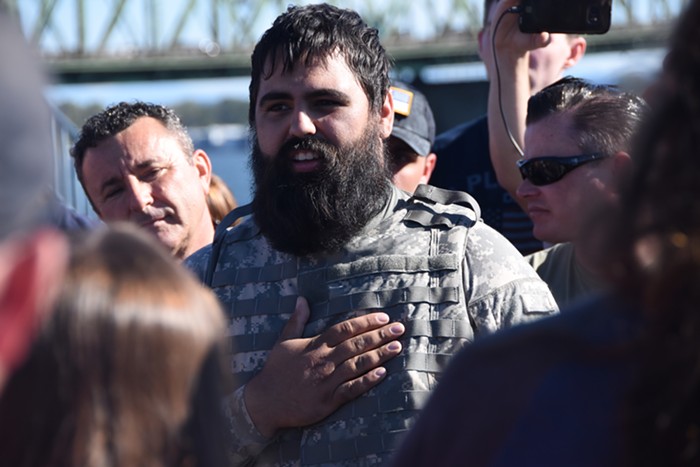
(576, 153)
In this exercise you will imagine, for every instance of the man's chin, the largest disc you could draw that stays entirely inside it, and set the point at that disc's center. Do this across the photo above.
(165, 233)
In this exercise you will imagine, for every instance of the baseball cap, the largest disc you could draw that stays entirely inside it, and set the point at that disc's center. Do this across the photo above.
(414, 123)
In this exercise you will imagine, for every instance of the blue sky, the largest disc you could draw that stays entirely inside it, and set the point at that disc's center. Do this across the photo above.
(601, 67)
(166, 92)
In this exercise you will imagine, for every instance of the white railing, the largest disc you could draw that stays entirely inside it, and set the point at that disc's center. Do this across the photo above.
(66, 184)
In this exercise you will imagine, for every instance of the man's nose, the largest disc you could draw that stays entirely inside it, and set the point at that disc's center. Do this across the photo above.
(526, 189)
(141, 195)
(302, 124)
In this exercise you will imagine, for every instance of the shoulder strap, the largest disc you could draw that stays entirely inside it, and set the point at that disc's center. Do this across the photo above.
(431, 194)
(219, 234)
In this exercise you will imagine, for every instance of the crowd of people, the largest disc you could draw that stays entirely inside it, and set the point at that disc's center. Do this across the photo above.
(378, 302)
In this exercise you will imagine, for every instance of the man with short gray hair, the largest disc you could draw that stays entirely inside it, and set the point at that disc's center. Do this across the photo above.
(137, 163)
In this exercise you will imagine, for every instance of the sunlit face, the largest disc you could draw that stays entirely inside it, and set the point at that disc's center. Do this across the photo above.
(143, 175)
(323, 100)
(560, 211)
(318, 157)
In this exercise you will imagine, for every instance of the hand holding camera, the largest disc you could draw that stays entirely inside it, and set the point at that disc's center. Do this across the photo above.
(565, 16)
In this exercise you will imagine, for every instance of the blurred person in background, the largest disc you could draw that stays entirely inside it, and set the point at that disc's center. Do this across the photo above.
(577, 156)
(220, 200)
(466, 159)
(519, 65)
(137, 163)
(411, 159)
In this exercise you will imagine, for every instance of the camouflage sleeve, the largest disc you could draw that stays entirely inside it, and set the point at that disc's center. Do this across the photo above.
(503, 289)
(248, 443)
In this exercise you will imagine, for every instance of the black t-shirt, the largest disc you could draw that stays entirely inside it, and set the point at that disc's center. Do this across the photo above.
(464, 164)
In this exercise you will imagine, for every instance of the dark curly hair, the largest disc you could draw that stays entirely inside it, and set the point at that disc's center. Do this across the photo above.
(306, 34)
(655, 250)
(119, 117)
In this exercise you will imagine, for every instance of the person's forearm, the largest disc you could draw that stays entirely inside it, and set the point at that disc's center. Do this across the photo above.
(248, 442)
(508, 101)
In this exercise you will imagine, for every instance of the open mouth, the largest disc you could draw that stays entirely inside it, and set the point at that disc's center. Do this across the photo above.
(305, 161)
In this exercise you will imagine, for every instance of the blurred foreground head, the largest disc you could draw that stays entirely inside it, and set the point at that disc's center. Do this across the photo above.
(657, 245)
(658, 230)
(32, 257)
(125, 371)
(25, 134)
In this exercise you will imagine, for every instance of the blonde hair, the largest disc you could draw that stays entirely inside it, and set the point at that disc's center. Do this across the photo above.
(220, 199)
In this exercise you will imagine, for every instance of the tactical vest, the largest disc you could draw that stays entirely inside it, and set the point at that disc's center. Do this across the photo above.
(411, 266)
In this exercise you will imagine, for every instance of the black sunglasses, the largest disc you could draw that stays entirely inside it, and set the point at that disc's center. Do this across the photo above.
(545, 170)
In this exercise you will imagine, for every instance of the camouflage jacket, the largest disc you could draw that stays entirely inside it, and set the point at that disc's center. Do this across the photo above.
(447, 276)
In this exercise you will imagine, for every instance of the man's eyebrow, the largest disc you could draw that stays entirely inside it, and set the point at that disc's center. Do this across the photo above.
(333, 93)
(147, 164)
(274, 96)
(117, 180)
(315, 94)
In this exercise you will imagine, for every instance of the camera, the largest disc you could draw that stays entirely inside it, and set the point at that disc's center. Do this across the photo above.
(565, 16)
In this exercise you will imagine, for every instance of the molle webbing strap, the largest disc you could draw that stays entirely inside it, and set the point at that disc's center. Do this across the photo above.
(385, 299)
(426, 217)
(312, 278)
(439, 328)
(219, 235)
(373, 403)
(263, 305)
(369, 444)
(432, 195)
(270, 273)
(393, 264)
(427, 362)
(252, 341)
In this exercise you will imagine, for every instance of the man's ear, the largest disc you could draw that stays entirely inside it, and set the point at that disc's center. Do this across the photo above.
(430, 161)
(31, 275)
(577, 47)
(387, 116)
(203, 165)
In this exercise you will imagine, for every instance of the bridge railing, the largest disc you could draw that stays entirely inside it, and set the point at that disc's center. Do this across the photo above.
(75, 29)
(66, 184)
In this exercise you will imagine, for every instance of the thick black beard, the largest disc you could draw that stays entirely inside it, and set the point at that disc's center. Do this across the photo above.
(305, 213)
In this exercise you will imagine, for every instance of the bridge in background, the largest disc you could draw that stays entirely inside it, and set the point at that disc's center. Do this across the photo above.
(86, 41)
(115, 40)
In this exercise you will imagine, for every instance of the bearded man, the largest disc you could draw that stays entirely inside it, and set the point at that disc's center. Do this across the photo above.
(386, 275)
